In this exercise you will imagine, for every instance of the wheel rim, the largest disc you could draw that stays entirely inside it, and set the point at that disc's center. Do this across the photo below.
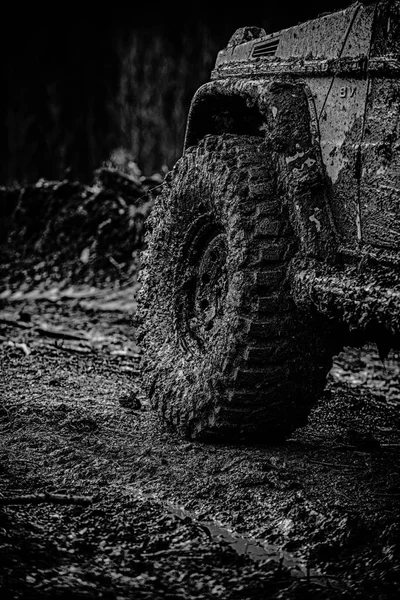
(206, 282)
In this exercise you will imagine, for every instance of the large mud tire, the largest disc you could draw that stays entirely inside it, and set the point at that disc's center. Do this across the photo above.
(226, 353)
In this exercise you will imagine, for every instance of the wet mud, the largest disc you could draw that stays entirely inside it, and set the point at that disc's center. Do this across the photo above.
(315, 516)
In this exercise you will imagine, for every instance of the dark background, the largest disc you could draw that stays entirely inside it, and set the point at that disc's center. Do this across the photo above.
(76, 87)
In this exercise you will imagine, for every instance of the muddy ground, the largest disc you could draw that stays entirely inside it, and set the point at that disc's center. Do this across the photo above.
(153, 516)
(99, 500)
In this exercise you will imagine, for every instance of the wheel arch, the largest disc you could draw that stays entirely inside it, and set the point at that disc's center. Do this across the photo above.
(219, 108)
(282, 112)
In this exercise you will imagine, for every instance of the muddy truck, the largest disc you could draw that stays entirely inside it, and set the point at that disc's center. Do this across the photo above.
(276, 238)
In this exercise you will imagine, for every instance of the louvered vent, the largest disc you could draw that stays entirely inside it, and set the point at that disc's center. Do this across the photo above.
(267, 48)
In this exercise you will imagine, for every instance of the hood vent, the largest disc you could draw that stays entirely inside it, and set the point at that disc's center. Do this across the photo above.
(267, 48)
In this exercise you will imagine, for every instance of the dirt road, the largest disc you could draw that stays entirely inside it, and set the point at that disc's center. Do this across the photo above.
(133, 511)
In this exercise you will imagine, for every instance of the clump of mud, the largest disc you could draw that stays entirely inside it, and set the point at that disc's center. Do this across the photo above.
(75, 232)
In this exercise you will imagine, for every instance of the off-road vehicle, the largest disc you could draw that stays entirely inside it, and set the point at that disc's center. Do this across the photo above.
(276, 238)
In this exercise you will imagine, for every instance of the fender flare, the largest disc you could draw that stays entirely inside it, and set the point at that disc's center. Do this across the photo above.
(283, 112)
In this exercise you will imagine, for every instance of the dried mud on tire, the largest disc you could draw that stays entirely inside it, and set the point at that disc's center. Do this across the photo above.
(227, 355)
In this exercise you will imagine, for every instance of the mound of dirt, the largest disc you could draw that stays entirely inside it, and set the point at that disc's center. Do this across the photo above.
(74, 232)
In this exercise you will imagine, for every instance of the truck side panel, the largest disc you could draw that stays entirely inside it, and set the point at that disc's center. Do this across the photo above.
(380, 182)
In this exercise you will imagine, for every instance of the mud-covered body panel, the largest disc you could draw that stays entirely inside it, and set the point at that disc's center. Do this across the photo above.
(380, 180)
(348, 65)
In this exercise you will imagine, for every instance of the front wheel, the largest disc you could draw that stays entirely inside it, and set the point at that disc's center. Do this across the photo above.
(226, 352)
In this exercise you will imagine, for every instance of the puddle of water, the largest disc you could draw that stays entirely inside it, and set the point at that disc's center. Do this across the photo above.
(242, 545)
